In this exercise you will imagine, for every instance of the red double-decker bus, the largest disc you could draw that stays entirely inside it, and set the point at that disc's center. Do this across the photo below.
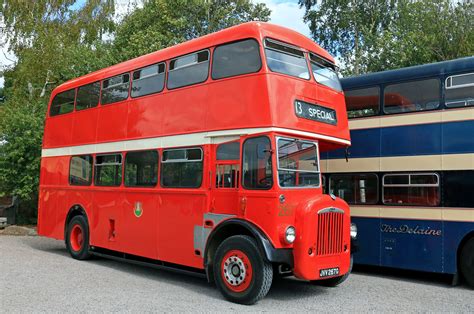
(203, 157)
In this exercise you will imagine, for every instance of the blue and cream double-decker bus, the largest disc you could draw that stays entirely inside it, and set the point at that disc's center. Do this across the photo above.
(410, 170)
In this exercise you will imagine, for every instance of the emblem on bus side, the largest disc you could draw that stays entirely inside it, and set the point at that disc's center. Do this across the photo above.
(138, 210)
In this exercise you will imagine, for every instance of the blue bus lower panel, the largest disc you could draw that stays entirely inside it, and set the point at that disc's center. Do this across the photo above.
(422, 245)
(410, 140)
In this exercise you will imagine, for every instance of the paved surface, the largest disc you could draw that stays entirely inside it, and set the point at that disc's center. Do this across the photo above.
(37, 275)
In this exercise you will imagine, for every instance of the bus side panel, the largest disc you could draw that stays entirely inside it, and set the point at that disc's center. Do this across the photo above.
(179, 211)
(455, 231)
(185, 111)
(145, 116)
(368, 239)
(364, 143)
(112, 122)
(57, 131)
(412, 244)
(424, 139)
(105, 222)
(229, 106)
(85, 126)
(53, 199)
(140, 214)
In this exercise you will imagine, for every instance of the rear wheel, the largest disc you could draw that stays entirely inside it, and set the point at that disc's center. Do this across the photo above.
(467, 262)
(336, 281)
(240, 271)
(77, 238)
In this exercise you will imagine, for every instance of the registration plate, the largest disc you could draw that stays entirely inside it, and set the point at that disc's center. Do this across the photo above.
(315, 112)
(329, 272)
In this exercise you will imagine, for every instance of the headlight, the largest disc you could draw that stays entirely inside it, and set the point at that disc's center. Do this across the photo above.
(290, 234)
(353, 231)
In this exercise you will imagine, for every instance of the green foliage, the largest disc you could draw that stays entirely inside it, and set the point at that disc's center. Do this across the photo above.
(163, 23)
(20, 151)
(55, 41)
(379, 35)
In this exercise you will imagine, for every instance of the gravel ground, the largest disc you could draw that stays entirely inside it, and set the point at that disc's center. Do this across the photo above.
(37, 275)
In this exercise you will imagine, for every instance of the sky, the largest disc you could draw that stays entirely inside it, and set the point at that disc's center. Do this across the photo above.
(284, 12)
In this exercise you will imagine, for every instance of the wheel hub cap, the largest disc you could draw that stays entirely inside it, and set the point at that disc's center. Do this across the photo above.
(234, 270)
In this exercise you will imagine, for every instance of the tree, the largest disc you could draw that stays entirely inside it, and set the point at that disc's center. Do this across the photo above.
(163, 23)
(53, 41)
(378, 35)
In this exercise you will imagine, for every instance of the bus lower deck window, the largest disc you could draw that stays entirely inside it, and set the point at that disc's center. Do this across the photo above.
(80, 170)
(108, 170)
(182, 168)
(141, 168)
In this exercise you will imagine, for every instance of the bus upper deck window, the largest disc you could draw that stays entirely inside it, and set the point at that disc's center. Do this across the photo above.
(286, 59)
(459, 90)
(115, 89)
(88, 96)
(63, 103)
(148, 80)
(412, 96)
(362, 102)
(236, 58)
(188, 70)
(324, 72)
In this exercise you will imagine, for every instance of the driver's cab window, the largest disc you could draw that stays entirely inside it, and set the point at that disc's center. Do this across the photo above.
(257, 163)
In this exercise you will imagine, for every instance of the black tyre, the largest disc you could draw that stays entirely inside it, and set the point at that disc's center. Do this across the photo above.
(466, 262)
(241, 272)
(77, 238)
(335, 281)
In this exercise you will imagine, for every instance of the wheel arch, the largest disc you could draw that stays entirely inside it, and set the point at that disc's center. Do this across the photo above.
(467, 237)
(235, 226)
(75, 210)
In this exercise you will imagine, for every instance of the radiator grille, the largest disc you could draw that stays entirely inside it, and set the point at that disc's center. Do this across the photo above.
(330, 231)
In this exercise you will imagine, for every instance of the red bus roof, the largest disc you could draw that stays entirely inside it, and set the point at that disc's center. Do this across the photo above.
(257, 30)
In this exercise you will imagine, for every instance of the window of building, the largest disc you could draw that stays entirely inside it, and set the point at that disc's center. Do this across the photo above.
(148, 80)
(141, 168)
(236, 59)
(181, 168)
(412, 96)
(411, 189)
(355, 189)
(88, 96)
(115, 89)
(80, 170)
(362, 102)
(324, 72)
(257, 164)
(298, 163)
(188, 70)
(228, 165)
(459, 90)
(63, 103)
(108, 170)
(286, 59)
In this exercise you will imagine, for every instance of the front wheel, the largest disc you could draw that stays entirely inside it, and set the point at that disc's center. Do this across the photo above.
(240, 270)
(467, 262)
(336, 281)
(77, 238)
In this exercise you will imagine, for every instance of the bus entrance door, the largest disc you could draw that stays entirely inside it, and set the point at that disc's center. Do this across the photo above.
(226, 181)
